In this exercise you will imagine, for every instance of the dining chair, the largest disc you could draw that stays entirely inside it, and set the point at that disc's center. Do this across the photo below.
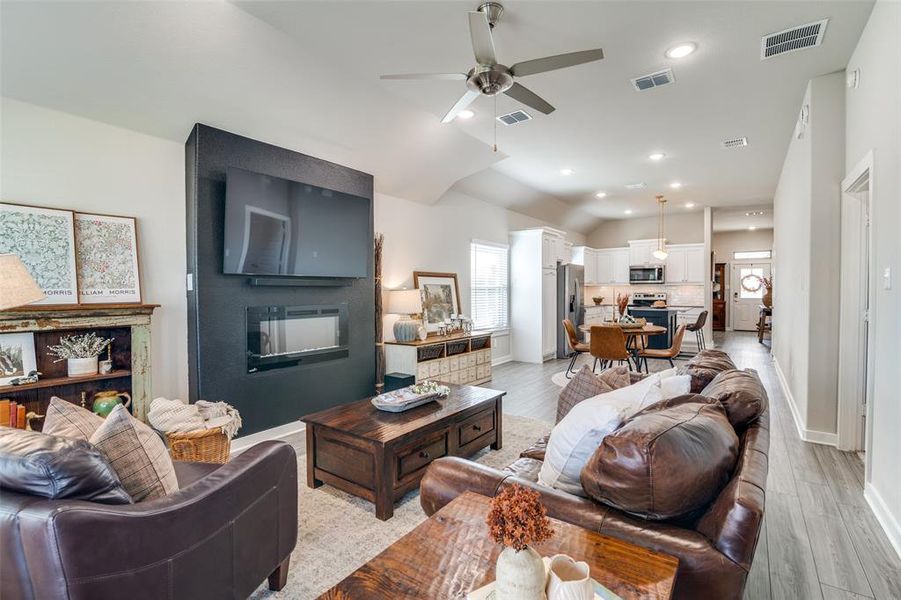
(660, 354)
(578, 347)
(698, 329)
(608, 344)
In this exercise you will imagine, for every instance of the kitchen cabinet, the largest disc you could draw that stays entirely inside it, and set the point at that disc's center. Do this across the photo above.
(534, 254)
(641, 253)
(685, 264)
(549, 313)
(567, 255)
(603, 266)
(620, 265)
(590, 263)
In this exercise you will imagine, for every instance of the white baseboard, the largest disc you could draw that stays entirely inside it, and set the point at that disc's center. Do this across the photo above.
(885, 517)
(243, 443)
(808, 435)
(502, 360)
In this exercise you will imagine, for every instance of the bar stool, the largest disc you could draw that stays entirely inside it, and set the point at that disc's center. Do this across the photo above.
(698, 329)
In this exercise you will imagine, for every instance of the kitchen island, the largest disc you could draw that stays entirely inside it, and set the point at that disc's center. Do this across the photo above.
(664, 317)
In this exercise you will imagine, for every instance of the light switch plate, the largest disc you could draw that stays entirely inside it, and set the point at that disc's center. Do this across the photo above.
(887, 278)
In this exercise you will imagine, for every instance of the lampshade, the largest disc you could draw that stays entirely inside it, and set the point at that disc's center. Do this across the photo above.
(17, 286)
(404, 302)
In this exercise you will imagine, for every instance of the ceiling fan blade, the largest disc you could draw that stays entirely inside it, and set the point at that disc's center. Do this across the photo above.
(441, 76)
(551, 63)
(462, 103)
(482, 42)
(529, 98)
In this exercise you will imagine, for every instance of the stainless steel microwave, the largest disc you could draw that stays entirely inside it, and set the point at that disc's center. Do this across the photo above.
(652, 274)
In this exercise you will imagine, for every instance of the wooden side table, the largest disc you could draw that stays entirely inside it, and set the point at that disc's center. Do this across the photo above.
(451, 554)
(380, 456)
(762, 326)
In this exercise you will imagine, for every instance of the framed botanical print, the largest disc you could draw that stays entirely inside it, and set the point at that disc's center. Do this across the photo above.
(17, 356)
(43, 238)
(440, 297)
(107, 257)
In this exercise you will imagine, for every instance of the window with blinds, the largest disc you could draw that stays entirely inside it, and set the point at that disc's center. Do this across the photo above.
(489, 285)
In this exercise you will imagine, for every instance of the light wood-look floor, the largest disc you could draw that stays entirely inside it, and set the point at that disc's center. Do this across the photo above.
(820, 539)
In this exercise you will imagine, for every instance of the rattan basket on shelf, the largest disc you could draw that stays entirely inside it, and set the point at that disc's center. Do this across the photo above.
(204, 445)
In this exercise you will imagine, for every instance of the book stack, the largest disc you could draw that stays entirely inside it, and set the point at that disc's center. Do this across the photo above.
(12, 414)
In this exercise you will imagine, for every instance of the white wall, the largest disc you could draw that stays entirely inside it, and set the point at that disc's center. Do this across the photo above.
(874, 123)
(421, 237)
(49, 158)
(681, 228)
(806, 255)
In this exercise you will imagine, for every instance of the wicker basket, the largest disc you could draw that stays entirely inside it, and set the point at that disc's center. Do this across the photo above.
(458, 347)
(204, 445)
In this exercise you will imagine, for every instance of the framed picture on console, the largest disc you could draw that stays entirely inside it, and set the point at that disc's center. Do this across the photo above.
(44, 239)
(17, 357)
(440, 296)
(107, 258)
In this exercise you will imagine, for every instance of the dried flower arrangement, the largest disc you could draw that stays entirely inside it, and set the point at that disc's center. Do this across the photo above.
(88, 345)
(622, 301)
(517, 518)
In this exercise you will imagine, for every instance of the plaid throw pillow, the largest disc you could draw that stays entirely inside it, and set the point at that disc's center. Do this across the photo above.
(137, 455)
(616, 377)
(66, 419)
(584, 385)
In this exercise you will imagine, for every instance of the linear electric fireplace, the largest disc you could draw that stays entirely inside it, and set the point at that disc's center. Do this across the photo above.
(286, 336)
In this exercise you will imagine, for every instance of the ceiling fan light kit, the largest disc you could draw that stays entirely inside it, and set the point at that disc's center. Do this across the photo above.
(489, 77)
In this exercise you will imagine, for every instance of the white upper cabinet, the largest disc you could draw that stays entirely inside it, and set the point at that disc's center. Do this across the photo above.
(604, 269)
(685, 264)
(641, 253)
(621, 257)
(590, 262)
(567, 256)
(553, 250)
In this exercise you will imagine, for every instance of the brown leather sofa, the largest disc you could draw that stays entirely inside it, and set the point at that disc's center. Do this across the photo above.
(226, 530)
(715, 546)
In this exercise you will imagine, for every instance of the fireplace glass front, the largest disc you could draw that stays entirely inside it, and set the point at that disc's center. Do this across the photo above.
(286, 336)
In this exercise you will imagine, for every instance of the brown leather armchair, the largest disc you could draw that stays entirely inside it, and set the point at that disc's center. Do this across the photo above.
(227, 529)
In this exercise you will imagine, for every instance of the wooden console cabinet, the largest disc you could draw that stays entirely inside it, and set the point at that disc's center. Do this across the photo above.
(458, 358)
(380, 456)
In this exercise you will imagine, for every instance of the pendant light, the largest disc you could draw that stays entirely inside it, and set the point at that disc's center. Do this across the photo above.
(660, 253)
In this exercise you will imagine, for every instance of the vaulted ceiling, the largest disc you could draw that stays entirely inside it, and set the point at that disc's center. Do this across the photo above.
(305, 75)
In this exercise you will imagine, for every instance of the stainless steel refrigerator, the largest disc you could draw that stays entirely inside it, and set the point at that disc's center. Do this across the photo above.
(569, 303)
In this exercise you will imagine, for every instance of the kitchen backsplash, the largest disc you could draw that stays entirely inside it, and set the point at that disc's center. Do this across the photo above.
(677, 295)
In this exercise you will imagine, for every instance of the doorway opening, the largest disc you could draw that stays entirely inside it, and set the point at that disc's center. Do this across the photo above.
(747, 293)
(855, 351)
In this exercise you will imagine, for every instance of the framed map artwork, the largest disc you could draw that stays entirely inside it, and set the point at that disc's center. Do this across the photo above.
(107, 251)
(43, 239)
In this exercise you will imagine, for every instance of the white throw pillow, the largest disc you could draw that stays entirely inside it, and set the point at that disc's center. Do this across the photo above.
(576, 437)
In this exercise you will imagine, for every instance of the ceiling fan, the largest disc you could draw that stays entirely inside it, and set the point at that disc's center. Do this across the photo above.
(489, 77)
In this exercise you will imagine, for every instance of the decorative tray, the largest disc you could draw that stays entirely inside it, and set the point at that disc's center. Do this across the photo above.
(410, 397)
(486, 592)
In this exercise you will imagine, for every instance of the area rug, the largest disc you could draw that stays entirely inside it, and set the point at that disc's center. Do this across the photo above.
(654, 366)
(337, 532)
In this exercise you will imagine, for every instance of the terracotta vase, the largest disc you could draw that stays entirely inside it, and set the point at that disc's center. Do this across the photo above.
(768, 298)
(520, 575)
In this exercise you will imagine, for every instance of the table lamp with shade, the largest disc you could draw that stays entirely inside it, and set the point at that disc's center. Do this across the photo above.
(407, 303)
(17, 286)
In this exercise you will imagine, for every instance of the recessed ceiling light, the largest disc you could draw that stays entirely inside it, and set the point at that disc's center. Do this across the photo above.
(636, 186)
(657, 156)
(681, 50)
(628, 211)
(675, 185)
(752, 228)
(689, 205)
(601, 195)
(566, 171)
(465, 114)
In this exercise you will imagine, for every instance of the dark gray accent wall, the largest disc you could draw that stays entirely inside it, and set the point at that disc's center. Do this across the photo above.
(216, 307)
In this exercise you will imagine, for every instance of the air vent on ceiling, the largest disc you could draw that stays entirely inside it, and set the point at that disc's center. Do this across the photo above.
(791, 40)
(517, 116)
(646, 82)
(735, 143)
(636, 186)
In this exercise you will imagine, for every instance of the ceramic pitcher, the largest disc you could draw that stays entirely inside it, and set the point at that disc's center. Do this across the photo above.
(568, 579)
(105, 402)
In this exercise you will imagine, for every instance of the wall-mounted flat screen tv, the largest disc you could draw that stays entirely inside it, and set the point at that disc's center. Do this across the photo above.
(278, 227)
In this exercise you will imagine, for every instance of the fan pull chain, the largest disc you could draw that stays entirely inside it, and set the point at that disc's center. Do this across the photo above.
(495, 122)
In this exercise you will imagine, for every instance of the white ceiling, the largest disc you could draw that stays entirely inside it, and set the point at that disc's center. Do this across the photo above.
(737, 218)
(305, 75)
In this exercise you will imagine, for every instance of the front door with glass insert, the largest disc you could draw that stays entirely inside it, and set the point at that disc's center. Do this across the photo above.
(747, 294)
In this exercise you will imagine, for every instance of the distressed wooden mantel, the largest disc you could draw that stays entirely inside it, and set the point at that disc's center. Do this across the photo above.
(85, 316)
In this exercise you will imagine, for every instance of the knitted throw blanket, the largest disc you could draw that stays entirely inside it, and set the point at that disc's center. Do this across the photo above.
(172, 416)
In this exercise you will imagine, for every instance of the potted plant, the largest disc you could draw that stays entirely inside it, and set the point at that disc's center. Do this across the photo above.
(80, 352)
(517, 520)
(767, 283)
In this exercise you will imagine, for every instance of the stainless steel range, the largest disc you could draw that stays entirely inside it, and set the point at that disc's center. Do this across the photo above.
(647, 298)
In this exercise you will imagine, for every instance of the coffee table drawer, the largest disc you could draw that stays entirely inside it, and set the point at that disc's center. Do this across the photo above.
(476, 426)
(416, 458)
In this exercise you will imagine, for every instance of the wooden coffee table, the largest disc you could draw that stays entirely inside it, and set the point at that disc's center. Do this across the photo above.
(450, 554)
(380, 456)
